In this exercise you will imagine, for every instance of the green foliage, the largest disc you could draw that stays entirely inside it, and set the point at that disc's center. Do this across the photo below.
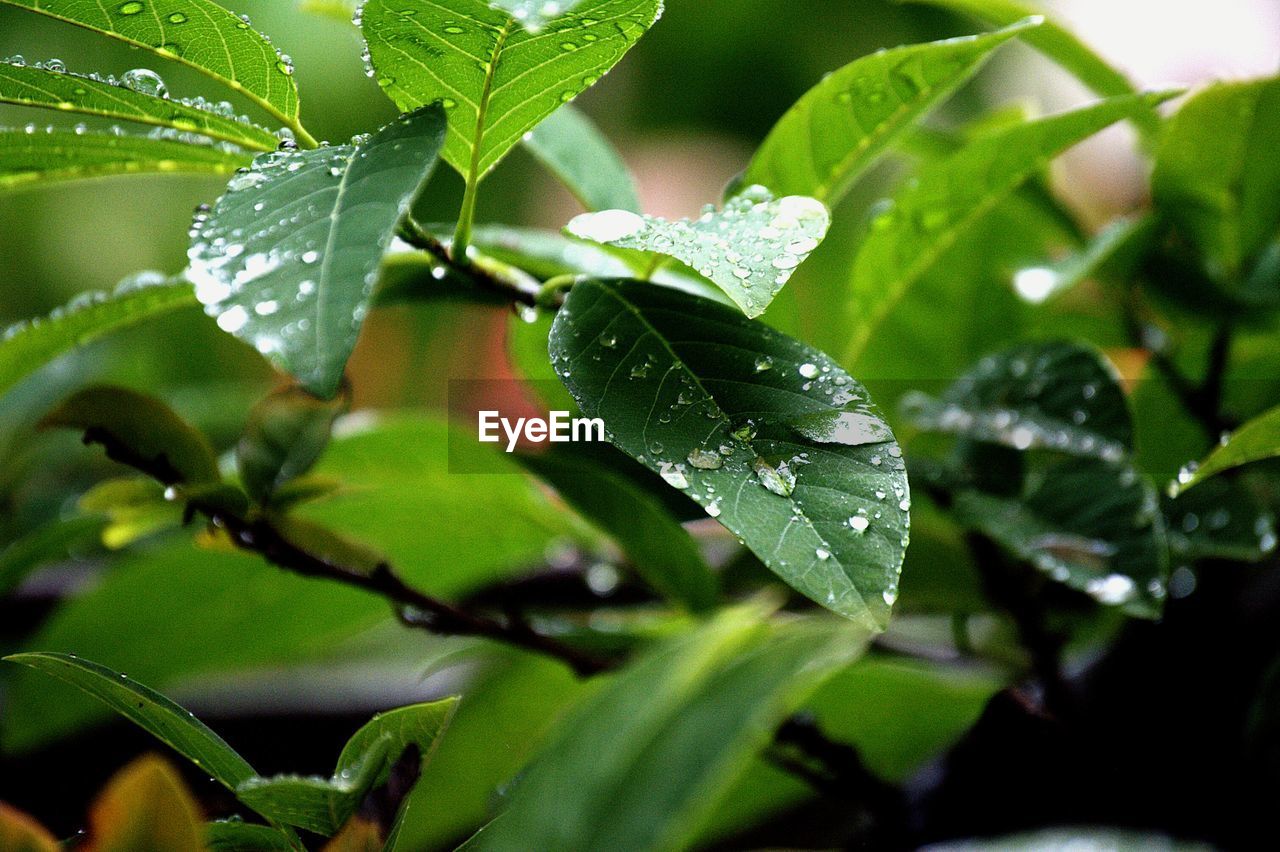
(657, 642)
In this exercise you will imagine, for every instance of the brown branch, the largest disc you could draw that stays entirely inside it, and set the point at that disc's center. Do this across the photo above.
(479, 274)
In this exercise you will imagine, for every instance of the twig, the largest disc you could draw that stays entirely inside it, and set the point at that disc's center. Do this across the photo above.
(482, 272)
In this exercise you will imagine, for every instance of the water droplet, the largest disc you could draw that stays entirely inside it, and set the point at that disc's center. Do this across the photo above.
(145, 82)
(606, 226)
(809, 371)
(673, 475)
(859, 524)
(764, 363)
(177, 18)
(133, 7)
(705, 459)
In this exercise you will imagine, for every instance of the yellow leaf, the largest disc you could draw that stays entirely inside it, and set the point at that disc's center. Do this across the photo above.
(145, 808)
(358, 835)
(21, 833)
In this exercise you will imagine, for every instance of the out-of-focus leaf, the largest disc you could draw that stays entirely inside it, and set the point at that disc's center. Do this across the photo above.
(496, 78)
(148, 709)
(502, 719)
(21, 833)
(42, 545)
(57, 155)
(54, 88)
(1220, 520)
(237, 836)
(1216, 175)
(662, 553)
(1061, 396)
(323, 805)
(29, 345)
(749, 249)
(134, 508)
(641, 762)
(769, 435)
(140, 431)
(1115, 251)
(1093, 526)
(1059, 44)
(341, 11)
(218, 611)
(1256, 440)
(577, 153)
(145, 807)
(842, 125)
(198, 33)
(287, 259)
(286, 433)
(938, 209)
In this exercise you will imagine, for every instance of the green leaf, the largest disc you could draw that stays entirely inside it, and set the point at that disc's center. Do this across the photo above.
(1216, 175)
(52, 88)
(286, 433)
(576, 152)
(140, 431)
(935, 211)
(770, 436)
(642, 762)
(317, 223)
(841, 126)
(28, 346)
(1059, 396)
(197, 33)
(497, 79)
(323, 805)
(234, 835)
(149, 710)
(1220, 520)
(1093, 526)
(749, 249)
(43, 545)
(57, 155)
(1256, 440)
(661, 551)
(1114, 252)
(1059, 44)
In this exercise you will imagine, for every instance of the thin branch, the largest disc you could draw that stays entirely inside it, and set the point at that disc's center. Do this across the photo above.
(484, 273)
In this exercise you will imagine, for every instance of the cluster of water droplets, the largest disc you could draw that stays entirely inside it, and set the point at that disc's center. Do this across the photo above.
(173, 22)
(84, 301)
(255, 239)
(750, 248)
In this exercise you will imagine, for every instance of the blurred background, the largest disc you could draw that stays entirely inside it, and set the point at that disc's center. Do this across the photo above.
(686, 108)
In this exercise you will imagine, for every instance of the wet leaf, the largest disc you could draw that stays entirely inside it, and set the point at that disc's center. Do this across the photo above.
(29, 345)
(197, 33)
(149, 710)
(938, 208)
(323, 805)
(642, 762)
(841, 126)
(1216, 175)
(749, 249)
(719, 406)
(145, 807)
(1113, 253)
(1256, 440)
(59, 155)
(234, 835)
(1093, 526)
(140, 431)
(1059, 396)
(496, 79)
(41, 86)
(576, 152)
(287, 259)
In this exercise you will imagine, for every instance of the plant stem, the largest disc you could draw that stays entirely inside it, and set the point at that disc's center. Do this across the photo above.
(466, 218)
(483, 272)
